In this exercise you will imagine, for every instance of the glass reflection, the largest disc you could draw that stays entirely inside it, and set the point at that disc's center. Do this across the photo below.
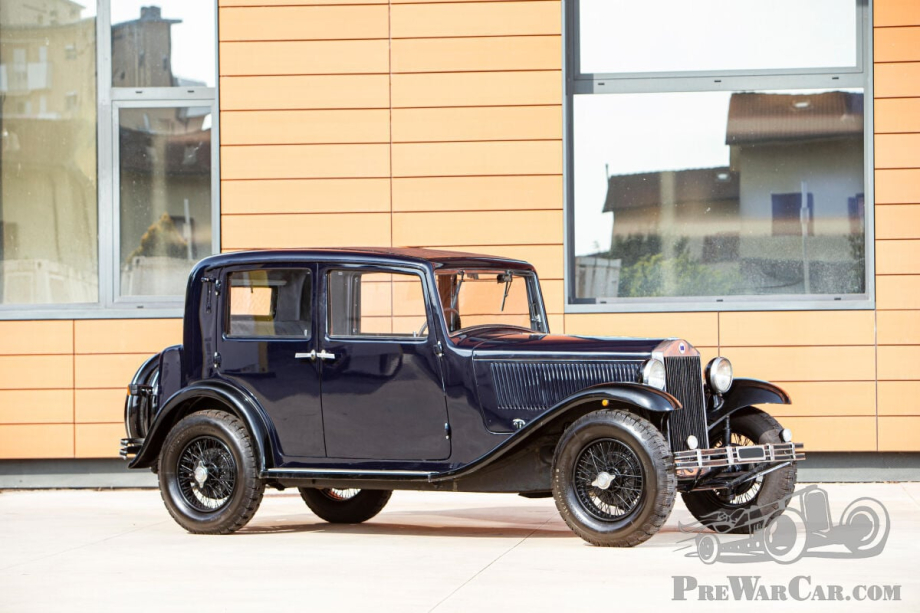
(169, 44)
(719, 194)
(48, 226)
(164, 196)
(615, 35)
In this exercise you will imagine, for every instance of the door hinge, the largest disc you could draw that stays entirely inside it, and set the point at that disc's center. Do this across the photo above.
(216, 283)
(438, 349)
(447, 431)
(216, 358)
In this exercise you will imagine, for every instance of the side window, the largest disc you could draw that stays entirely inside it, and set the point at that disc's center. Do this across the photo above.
(375, 304)
(270, 303)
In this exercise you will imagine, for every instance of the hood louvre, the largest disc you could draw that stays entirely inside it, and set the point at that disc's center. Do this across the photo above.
(537, 386)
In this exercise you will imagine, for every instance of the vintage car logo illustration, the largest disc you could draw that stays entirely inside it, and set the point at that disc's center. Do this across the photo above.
(799, 526)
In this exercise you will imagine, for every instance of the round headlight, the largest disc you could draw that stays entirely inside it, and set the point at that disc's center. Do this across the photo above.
(653, 374)
(719, 375)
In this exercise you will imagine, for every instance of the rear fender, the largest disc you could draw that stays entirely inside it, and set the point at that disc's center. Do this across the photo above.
(633, 397)
(743, 394)
(205, 395)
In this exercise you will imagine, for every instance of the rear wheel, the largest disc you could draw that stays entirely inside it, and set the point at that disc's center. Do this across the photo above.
(613, 479)
(209, 478)
(345, 506)
(756, 503)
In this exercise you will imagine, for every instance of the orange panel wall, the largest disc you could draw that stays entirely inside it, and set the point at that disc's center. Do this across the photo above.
(407, 123)
(62, 383)
(449, 135)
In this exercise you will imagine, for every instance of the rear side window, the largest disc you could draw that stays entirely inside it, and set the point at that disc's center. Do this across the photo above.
(271, 303)
(375, 304)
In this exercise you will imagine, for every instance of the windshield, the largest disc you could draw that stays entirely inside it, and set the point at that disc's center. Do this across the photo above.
(489, 297)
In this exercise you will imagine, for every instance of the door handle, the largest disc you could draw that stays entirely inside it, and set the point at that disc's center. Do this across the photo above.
(312, 355)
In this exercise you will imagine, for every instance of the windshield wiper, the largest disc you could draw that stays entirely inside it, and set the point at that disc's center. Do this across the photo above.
(508, 279)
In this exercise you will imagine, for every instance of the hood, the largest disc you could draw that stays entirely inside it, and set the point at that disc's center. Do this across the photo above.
(520, 374)
(508, 341)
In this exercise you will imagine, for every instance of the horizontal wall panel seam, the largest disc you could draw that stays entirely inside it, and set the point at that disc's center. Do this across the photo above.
(301, 40)
(400, 142)
(466, 247)
(309, 109)
(470, 36)
(451, 37)
(311, 74)
(364, 212)
(64, 423)
(399, 177)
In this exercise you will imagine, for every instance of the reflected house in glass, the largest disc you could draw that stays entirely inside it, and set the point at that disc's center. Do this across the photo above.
(48, 153)
(745, 224)
(142, 51)
(164, 165)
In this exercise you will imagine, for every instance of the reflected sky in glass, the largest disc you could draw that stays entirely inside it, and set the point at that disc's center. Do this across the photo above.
(708, 35)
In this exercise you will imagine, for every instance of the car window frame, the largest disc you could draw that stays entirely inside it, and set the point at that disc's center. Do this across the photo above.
(324, 272)
(534, 298)
(225, 335)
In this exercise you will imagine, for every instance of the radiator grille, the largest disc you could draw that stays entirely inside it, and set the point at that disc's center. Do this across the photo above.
(685, 382)
(538, 386)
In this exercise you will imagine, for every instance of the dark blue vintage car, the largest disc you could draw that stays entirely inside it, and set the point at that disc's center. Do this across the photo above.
(349, 373)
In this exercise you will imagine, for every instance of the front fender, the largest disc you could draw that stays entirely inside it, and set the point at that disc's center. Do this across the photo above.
(745, 393)
(629, 396)
(187, 399)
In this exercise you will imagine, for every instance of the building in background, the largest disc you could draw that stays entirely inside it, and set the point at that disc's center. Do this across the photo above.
(741, 175)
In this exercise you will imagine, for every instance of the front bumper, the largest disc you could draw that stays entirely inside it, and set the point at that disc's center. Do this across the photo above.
(692, 463)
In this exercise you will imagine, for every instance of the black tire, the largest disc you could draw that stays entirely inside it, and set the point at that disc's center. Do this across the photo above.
(345, 506)
(231, 491)
(629, 504)
(756, 506)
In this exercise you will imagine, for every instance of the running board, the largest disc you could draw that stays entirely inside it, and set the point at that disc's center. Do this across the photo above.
(343, 473)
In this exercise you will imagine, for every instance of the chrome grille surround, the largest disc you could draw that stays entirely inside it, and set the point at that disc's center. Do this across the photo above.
(684, 381)
(538, 385)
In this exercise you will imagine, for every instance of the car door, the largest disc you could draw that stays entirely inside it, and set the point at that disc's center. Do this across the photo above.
(267, 347)
(383, 396)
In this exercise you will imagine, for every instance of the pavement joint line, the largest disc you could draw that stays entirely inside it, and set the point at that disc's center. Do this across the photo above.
(486, 567)
(909, 494)
(84, 545)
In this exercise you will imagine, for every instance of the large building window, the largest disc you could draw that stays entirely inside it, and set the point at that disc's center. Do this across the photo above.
(48, 203)
(107, 185)
(717, 154)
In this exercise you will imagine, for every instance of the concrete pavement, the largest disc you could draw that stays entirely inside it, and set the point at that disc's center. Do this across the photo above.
(79, 550)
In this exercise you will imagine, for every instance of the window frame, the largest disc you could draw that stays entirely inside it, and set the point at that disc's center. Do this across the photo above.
(577, 83)
(372, 338)
(227, 302)
(534, 297)
(108, 101)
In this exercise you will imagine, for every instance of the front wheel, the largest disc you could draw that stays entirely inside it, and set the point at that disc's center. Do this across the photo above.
(209, 478)
(345, 506)
(613, 479)
(756, 503)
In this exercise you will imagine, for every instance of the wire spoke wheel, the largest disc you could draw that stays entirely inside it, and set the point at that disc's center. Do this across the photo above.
(747, 491)
(206, 473)
(750, 505)
(608, 479)
(341, 495)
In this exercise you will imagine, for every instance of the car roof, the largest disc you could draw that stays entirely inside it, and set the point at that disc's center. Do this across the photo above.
(435, 257)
